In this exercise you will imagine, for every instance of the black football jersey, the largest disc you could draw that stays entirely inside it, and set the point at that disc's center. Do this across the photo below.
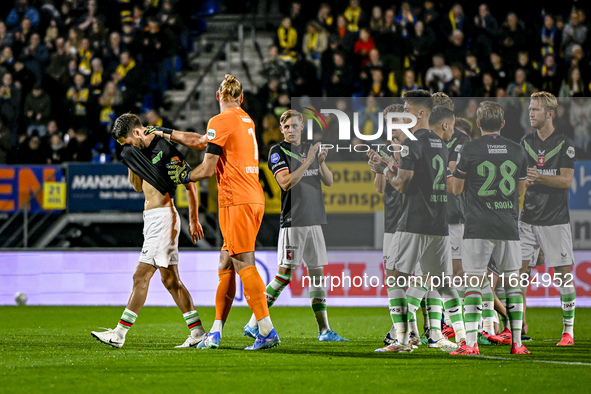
(303, 204)
(546, 205)
(491, 166)
(424, 209)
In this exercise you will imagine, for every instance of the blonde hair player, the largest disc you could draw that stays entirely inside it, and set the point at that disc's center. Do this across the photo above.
(545, 221)
(232, 154)
(300, 170)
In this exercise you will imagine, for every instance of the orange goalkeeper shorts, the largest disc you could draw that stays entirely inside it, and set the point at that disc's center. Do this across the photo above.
(240, 225)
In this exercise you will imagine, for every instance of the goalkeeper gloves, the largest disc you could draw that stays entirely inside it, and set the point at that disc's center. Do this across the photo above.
(179, 172)
(159, 131)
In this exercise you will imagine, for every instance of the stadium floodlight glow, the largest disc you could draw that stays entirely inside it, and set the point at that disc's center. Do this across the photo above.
(345, 125)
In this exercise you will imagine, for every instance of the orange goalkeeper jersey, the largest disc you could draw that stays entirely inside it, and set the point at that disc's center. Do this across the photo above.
(237, 170)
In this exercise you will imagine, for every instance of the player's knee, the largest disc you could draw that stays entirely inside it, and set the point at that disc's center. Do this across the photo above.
(170, 282)
(140, 279)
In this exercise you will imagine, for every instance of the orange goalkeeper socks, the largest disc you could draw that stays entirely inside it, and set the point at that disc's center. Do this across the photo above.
(225, 294)
(254, 291)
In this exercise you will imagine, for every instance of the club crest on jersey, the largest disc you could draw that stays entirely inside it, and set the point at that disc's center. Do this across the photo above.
(458, 147)
(570, 152)
(404, 151)
(210, 134)
(274, 158)
(541, 160)
(289, 254)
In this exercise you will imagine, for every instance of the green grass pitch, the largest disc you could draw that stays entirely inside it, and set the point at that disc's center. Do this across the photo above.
(50, 349)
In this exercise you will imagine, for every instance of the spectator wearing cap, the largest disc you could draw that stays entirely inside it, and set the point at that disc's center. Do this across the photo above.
(37, 109)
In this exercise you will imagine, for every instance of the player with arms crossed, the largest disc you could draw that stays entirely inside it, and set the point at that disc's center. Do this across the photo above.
(299, 169)
(232, 153)
(545, 220)
(146, 157)
(422, 234)
(492, 170)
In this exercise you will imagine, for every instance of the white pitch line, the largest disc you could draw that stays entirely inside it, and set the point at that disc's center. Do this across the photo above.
(535, 361)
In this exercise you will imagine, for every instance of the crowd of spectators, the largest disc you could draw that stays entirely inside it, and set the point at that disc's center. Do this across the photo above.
(69, 67)
(376, 49)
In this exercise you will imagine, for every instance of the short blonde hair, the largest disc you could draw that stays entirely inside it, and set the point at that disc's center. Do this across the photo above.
(442, 99)
(289, 114)
(490, 116)
(548, 100)
(230, 89)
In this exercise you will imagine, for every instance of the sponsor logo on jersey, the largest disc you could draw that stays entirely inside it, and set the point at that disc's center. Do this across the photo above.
(252, 170)
(210, 134)
(311, 172)
(458, 159)
(497, 149)
(404, 151)
(435, 143)
(570, 152)
(548, 171)
(274, 157)
(246, 119)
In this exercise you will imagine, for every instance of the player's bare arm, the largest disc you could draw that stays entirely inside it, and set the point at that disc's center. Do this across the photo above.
(562, 181)
(135, 181)
(402, 180)
(182, 173)
(288, 180)
(195, 229)
(457, 186)
(188, 139)
(325, 173)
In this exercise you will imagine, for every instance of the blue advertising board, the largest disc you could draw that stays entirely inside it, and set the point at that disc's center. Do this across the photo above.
(580, 190)
(19, 183)
(105, 187)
